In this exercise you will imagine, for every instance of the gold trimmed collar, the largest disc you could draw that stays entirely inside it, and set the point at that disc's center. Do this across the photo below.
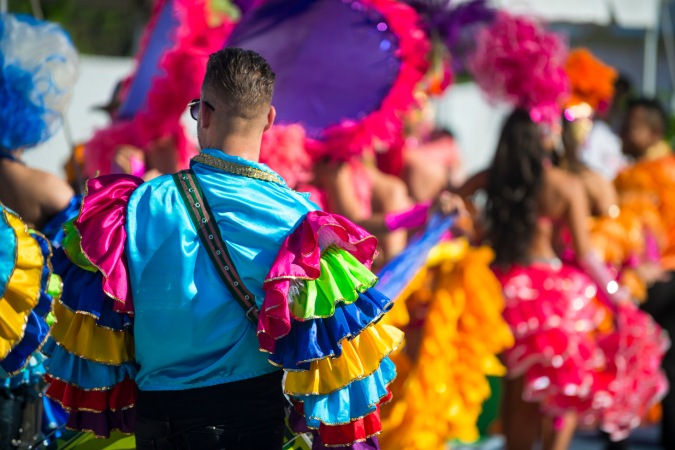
(237, 169)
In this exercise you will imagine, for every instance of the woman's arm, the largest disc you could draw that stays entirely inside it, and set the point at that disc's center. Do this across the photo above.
(476, 182)
(577, 213)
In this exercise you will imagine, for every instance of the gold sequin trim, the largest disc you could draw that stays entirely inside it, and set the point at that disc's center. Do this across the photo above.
(237, 169)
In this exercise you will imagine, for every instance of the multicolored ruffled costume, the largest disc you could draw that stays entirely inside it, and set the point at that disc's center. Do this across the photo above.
(132, 318)
(28, 287)
(578, 354)
(454, 333)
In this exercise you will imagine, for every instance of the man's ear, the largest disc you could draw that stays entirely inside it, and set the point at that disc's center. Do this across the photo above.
(204, 116)
(271, 115)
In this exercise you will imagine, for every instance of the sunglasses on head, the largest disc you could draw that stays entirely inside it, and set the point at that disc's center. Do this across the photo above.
(194, 107)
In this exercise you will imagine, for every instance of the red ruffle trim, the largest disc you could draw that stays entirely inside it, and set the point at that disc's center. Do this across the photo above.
(300, 259)
(72, 398)
(356, 431)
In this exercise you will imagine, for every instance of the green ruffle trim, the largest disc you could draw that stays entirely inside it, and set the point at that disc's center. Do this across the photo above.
(73, 248)
(342, 279)
(54, 286)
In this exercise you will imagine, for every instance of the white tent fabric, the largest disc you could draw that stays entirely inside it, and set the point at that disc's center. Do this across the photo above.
(626, 13)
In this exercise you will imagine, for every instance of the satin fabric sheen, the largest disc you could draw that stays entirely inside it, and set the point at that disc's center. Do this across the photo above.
(189, 331)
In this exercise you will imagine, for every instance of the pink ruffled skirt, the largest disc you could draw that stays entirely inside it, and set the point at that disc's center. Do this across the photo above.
(577, 355)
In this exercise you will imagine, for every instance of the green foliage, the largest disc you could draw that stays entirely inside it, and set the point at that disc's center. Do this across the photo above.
(100, 27)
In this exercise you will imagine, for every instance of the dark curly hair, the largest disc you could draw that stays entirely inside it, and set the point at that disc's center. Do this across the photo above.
(515, 179)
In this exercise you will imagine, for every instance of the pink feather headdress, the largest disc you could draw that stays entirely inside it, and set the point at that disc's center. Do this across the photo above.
(520, 62)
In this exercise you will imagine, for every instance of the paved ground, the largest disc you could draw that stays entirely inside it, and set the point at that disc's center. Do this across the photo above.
(642, 439)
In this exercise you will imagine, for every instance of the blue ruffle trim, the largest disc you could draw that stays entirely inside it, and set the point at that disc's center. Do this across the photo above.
(34, 335)
(82, 293)
(316, 339)
(352, 402)
(81, 372)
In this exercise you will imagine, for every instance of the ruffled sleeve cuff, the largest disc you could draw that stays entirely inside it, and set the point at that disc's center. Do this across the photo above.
(295, 283)
(319, 321)
(92, 363)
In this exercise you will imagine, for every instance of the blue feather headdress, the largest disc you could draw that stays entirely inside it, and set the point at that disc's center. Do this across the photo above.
(38, 69)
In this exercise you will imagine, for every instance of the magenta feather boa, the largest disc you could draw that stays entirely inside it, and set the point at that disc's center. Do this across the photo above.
(183, 66)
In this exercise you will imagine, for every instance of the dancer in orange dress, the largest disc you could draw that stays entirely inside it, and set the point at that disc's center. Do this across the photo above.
(650, 181)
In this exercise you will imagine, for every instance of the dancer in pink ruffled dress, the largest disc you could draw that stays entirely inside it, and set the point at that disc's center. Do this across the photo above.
(583, 354)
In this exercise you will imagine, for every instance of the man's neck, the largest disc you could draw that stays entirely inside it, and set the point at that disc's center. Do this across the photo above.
(243, 147)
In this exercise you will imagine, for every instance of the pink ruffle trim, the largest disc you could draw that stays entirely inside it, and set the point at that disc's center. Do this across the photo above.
(299, 259)
(184, 66)
(101, 225)
(349, 139)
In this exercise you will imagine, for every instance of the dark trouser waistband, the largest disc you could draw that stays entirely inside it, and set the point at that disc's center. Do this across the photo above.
(222, 402)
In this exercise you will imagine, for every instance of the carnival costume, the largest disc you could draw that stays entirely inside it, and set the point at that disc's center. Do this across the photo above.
(455, 303)
(306, 270)
(571, 355)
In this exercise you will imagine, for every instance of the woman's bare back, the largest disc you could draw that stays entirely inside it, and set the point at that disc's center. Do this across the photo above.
(562, 203)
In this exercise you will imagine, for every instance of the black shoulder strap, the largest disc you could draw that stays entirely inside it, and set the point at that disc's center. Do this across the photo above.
(209, 233)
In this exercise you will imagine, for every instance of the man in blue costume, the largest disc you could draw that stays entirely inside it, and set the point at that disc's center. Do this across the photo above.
(208, 376)
(212, 265)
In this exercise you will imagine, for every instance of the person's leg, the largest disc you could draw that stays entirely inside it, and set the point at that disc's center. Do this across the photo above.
(521, 420)
(247, 414)
(152, 434)
(558, 436)
(222, 438)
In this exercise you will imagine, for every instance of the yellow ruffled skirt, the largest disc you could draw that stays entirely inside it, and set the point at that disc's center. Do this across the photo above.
(454, 330)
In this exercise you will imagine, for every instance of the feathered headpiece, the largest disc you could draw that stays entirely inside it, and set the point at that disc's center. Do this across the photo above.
(346, 69)
(38, 71)
(170, 67)
(518, 61)
(454, 24)
(592, 81)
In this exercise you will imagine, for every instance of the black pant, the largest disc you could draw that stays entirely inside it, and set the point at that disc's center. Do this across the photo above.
(244, 415)
(660, 305)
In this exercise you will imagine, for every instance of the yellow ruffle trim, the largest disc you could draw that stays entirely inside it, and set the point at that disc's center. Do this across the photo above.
(360, 358)
(442, 384)
(22, 291)
(79, 335)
